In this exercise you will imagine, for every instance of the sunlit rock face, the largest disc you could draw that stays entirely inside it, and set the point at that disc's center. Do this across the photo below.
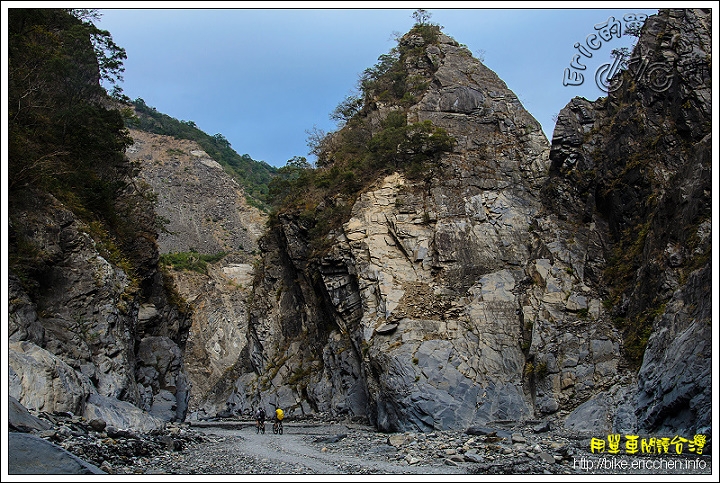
(452, 296)
(490, 291)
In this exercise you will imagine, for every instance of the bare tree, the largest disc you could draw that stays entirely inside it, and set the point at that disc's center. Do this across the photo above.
(421, 16)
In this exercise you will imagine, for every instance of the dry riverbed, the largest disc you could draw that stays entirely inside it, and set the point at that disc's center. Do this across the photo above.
(331, 447)
(234, 448)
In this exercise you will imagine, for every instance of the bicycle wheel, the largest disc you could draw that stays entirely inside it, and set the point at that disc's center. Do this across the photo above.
(280, 429)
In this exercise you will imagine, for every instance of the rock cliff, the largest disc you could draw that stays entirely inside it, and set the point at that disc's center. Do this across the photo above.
(204, 212)
(522, 280)
(447, 294)
(93, 329)
(517, 279)
(198, 205)
(88, 334)
(640, 160)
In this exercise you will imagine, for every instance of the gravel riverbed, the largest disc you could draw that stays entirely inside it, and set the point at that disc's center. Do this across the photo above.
(329, 447)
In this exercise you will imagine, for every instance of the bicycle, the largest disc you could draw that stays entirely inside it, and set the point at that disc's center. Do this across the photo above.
(277, 427)
(260, 426)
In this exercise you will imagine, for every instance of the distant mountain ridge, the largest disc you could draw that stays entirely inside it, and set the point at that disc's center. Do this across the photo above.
(253, 176)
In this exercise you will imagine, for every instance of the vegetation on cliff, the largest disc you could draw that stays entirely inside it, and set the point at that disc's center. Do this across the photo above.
(374, 139)
(65, 137)
(254, 176)
(191, 260)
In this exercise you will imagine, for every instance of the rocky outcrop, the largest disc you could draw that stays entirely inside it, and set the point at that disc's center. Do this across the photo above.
(640, 161)
(447, 295)
(502, 288)
(92, 333)
(74, 324)
(202, 210)
(675, 383)
(219, 331)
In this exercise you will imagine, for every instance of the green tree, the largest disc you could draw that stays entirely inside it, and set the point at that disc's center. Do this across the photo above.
(297, 163)
(295, 176)
(344, 111)
(222, 140)
(67, 137)
(62, 136)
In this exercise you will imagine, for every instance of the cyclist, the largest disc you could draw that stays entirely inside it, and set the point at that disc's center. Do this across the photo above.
(260, 420)
(277, 424)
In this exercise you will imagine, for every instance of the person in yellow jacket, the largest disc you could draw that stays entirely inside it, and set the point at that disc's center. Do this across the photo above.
(277, 424)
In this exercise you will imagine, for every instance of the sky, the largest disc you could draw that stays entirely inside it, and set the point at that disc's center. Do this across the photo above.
(264, 76)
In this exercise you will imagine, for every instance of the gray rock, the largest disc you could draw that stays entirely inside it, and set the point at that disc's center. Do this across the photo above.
(591, 416)
(331, 439)
(386, 329)
(547, 458)
(674, 373)
(542, 427)
(97, 424)
(120, 415)
(20, 419)
(473, 457)
(40, 381)
(31, 455)
(160, 363)
(481, 431)
(518, 438)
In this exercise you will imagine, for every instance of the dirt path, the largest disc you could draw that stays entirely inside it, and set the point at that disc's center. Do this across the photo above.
(302, 449)
(286, 449)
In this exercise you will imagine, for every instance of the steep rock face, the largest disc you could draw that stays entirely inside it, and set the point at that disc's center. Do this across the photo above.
(203, 210)
(218, 335)
(74, 326)
(510, 285)
(290, 337)
(200, 207)
(518, 281)
(449, 299)
(641, 160)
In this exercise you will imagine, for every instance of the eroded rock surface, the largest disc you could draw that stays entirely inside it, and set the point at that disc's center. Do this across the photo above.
(498, 289)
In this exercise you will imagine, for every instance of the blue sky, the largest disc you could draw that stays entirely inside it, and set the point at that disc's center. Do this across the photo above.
(264, 76)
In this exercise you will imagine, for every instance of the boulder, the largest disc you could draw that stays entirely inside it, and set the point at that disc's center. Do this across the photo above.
(31, 455)
(20, 419)
(121, 415)
(40, 381)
